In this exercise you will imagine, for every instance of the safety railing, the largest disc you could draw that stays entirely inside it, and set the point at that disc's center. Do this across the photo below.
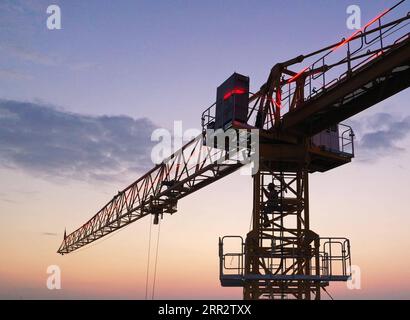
(208, 118)
(335, 257)
(331, 65)
(330, 261)
(346, 139)
(232, 262)
(325, 69)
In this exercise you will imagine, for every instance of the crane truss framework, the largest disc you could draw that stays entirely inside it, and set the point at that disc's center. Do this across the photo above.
(191, 168)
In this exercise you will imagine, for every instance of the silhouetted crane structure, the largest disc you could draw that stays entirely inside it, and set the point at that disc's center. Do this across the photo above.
(291, 127)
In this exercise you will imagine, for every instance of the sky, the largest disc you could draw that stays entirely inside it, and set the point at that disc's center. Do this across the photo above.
(77, 109)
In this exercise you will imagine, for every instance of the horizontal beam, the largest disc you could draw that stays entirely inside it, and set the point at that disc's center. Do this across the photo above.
(189, 169)
(330, 108)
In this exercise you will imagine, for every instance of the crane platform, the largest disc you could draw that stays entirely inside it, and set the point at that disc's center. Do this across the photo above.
(334, 263)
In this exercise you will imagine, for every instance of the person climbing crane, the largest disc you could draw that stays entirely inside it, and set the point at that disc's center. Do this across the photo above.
(272, 202)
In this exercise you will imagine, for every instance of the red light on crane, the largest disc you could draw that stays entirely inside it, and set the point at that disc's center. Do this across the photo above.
(232, 92)
(297, 75)
(360, 30)
(347, 40)
(376, 18)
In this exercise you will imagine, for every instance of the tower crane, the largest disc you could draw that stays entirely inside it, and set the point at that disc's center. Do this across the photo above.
(290, 128)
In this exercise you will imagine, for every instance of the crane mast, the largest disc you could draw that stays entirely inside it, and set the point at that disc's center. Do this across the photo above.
(289, 129)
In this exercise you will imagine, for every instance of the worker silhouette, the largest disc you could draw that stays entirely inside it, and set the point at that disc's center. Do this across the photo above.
(272, 202)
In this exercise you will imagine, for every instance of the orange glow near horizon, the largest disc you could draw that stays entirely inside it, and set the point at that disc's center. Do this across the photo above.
(188, 256)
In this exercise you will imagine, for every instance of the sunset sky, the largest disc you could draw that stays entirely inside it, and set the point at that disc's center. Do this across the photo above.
(77, 109)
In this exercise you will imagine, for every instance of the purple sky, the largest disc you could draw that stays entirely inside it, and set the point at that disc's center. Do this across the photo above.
(157, 59)
(77, 107)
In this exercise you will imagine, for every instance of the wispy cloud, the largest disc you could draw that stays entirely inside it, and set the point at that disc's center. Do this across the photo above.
(21, 18)
(380, 134)
(45, 141)
(21, 22)
(16, 196)
(30, 55)
(14, 75)
(51, 234)
(83, 66)
(21, 6)
(40, 58)
(8, 200)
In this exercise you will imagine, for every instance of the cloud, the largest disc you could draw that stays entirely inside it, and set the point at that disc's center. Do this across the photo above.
(380, 134)
(44, 141)
(83, 66)
(31, 55)
(8, 200)
(52, 234)
(16, 196)
(14, 75)
(21, 6)
(40, 58)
